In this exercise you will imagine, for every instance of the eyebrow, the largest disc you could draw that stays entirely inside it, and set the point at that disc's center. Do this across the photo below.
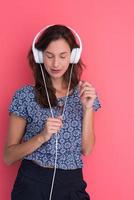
(53, 54)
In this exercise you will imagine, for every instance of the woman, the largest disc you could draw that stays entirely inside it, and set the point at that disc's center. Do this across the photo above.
(51, 123)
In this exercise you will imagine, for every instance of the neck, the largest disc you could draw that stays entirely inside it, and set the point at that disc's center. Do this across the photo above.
(59, 84)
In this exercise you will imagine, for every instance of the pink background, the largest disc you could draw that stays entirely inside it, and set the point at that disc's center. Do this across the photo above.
(107, 32)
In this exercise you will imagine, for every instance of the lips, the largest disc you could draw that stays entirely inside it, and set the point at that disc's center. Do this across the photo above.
(55, 71)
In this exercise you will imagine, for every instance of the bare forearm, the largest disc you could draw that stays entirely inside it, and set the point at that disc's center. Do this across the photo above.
(16, 152)
(88, 137)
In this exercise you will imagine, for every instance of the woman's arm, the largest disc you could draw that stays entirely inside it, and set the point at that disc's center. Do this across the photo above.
(88, 136)
(90, 104)
(15, 150)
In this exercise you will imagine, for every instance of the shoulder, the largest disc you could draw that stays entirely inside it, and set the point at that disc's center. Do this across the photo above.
(24, 94)
(25, 91)
(21, 99)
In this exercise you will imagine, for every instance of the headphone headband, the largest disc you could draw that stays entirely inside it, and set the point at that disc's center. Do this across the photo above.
(75, 54)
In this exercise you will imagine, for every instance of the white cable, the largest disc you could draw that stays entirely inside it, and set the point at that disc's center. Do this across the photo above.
(54, 169)
(46, 90)
(53, 117)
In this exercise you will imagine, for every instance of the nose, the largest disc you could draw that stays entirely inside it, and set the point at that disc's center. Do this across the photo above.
(56, 62)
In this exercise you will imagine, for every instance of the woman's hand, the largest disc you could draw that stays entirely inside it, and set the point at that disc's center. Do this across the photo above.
(53, 125)
(87, 94)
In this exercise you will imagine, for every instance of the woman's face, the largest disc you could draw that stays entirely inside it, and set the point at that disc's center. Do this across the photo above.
(57, 58)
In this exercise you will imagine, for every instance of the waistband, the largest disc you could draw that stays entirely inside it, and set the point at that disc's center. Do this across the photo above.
(35, 171)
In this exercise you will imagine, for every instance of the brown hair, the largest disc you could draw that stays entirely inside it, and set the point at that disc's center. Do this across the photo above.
(50, 34)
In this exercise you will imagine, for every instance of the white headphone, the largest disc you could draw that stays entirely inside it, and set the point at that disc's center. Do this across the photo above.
(75, 53)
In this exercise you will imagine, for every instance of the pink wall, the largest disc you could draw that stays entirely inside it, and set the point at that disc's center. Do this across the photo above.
(107, 31)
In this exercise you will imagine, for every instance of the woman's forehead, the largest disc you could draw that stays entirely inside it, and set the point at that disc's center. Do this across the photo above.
(57, 45)
(61, 52)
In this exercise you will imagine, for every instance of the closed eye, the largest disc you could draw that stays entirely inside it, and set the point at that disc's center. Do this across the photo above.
(63, 57)
(49, 56)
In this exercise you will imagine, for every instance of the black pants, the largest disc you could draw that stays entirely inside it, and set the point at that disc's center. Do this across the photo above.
(33, 182)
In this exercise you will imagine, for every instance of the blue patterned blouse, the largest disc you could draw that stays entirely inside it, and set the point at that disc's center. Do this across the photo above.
(69, 141)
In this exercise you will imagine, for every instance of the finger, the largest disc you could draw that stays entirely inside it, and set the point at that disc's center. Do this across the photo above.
(88, 96)
(80, 84)
(83, 90)
(85, 83)
(55, 127)
(90, 92)
(87, 88)
(55, 124)
(53, 120)
(60, 117)
(54, 130)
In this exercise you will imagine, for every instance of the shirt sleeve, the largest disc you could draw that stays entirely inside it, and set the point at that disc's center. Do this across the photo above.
(96, 104)
(18, 104)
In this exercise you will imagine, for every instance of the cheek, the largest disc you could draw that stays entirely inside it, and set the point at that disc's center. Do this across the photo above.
(65, 65)
(67, 62)
(47, 63)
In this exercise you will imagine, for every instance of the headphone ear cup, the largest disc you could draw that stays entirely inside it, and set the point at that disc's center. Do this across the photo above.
(38, 56)
(75, 55)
